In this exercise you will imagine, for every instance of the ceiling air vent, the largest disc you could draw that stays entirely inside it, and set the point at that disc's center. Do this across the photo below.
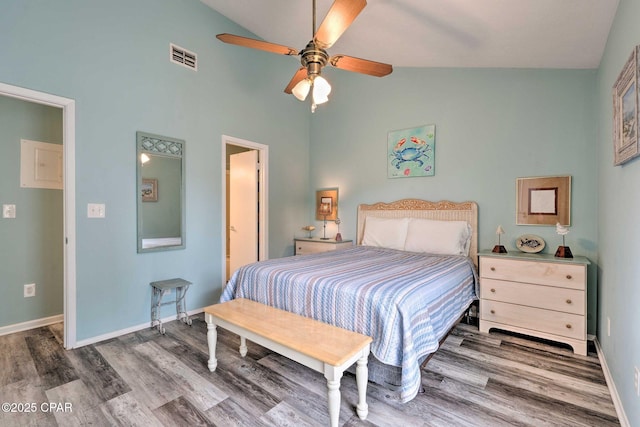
(183, 57)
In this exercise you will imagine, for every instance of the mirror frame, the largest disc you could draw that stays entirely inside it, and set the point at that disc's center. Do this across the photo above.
(160, 146)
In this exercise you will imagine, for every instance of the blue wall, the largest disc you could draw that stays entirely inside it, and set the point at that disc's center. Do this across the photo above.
(492, 126)
(619, 229)
(112, 58)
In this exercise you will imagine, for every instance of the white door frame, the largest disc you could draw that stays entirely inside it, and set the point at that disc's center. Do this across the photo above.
(263, 186)
(68, 107)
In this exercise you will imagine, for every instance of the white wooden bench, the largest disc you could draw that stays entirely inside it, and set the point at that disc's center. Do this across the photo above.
(319, 346)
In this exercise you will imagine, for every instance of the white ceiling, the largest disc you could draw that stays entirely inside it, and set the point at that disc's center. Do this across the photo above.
(444, 33)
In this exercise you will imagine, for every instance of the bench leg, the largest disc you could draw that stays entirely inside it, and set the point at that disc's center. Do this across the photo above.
(243, 346)
(212, 338)
(333, 394)
(362, 376)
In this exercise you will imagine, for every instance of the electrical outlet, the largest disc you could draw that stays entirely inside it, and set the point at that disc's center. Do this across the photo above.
(95, 210)
(8, 211)
(636, 379)
(30, 290)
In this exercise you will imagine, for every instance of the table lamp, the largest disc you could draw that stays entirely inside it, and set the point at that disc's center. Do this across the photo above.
(499, 248)
(325, 209)
(563, 251)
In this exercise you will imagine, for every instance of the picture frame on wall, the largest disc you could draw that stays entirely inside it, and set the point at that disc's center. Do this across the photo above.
(327, 196)
(543, 200)
(149, 190)
(411, 152)
(626, 112)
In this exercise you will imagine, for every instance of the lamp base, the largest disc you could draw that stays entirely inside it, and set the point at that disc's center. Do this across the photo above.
(338, 237)
(499, 249)
(564, 252)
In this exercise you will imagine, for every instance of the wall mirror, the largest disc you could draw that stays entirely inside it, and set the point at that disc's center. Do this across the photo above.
(160, 192)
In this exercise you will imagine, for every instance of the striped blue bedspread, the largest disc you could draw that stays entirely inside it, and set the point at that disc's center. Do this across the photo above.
(405, 301)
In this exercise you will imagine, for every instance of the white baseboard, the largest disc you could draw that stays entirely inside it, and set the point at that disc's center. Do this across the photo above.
(622, 417)
(125, 331)
(31, 324)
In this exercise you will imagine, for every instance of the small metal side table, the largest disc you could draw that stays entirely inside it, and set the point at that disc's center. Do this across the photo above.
(159, 290)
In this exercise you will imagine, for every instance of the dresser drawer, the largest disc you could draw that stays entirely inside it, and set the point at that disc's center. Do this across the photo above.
(547, 297)
(534, 319)
(303, 248)
(544, 273)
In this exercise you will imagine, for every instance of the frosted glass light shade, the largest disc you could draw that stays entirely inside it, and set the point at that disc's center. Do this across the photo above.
(301, 90)
(321, 90)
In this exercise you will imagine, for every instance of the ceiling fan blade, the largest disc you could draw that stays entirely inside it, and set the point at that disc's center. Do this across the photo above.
(358, 65)
(301, 74)
(338, 19)
(257, 44)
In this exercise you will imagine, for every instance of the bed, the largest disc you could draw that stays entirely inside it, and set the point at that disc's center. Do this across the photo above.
(406, 283)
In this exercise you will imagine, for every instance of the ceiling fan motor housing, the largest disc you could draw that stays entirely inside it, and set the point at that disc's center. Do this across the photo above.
(313, 58)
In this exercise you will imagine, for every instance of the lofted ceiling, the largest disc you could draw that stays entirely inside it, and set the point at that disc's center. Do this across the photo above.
(444, 33)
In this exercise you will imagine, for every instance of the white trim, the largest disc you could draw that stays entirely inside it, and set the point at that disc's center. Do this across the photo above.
(617, 403)
(145, 325)
(263, 188)
(31, 324)
(69, 143)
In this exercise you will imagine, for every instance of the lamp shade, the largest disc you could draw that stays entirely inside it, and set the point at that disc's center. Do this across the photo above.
(325, 208)
(321, 90)
(301, 90)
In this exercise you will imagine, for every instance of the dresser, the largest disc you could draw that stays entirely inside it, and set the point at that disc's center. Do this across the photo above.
(304, 246)
(535, 294)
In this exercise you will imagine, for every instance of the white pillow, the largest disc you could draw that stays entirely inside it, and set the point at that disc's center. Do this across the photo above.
(385, 232)
(438, 237)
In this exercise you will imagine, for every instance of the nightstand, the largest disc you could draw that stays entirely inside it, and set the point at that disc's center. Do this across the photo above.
(535, 294)
(304, 246)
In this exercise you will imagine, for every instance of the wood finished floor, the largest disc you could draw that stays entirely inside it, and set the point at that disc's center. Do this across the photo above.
(145, 379)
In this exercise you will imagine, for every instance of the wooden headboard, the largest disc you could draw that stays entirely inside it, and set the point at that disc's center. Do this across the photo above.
(443, 210)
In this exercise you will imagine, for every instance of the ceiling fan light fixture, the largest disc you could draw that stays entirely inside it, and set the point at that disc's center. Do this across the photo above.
(301, 90)
(321, 90)
(314, 57)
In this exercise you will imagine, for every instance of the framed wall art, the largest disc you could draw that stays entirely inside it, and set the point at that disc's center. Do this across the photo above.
(625, 111)
(543, 200)
(411, 152)
(149, 190)
(327, 204)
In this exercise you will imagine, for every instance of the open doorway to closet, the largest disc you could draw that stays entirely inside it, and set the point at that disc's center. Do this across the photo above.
(40, 219)
(245, 203)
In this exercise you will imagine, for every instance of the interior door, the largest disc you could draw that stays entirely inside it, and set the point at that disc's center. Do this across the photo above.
(243, 209)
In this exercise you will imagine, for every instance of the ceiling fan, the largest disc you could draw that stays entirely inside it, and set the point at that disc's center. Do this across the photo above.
(314, 56)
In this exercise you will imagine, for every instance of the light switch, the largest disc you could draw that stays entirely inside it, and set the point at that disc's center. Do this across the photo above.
(96, 210)
(8, 211)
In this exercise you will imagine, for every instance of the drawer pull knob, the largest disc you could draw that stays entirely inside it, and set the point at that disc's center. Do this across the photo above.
(569, 277)
(493, 290)
(569, 301)
(493, 312)
(568, 326)
(493, 269)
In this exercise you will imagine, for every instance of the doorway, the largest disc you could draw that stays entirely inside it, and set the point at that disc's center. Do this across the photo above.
(69, 223)
(244, 228)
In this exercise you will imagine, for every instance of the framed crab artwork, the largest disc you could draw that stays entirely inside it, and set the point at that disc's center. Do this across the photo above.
(411, 152)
